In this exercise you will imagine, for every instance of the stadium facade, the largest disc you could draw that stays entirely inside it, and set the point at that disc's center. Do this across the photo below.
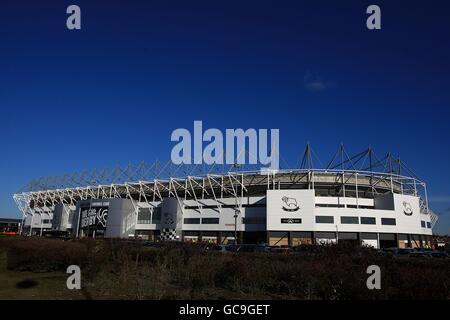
(362, 198)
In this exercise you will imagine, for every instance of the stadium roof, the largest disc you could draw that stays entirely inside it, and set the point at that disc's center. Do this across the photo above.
(366, 160)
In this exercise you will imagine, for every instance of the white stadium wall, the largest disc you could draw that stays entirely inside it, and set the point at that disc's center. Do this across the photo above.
(304, 218)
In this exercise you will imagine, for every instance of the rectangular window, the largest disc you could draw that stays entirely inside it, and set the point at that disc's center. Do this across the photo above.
(191, 220)
(144, 216)
(325, 235)
(254, 205)
(349, 220)
(324, 219)
(353, 206)
(253, 220)
(278, 234)
(388, 221)
(348, 236)
(226, 206)
(429, 225)
(190, 233)
(156, 215)
(368, 220)
(289, 220)
(422, 223)
(386, 236)
(209, 234)
(369, 236)
(210, 220)
(329, 205)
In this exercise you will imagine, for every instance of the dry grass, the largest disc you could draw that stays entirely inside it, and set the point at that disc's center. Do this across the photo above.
(122, 270)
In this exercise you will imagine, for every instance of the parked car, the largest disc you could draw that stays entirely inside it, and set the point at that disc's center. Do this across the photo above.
(419, 254)
(398, 252)
(218, 247)
(252, 248)
(245, 248)
(281, 250)
(439, 254)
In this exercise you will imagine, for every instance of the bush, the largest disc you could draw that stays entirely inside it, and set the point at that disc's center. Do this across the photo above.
(43, 255)
(123, 269)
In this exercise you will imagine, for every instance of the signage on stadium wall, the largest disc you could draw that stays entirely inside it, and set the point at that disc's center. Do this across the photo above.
(407, 209)
(290, 209)
(289, 204)
(291, 220)
(94, 217)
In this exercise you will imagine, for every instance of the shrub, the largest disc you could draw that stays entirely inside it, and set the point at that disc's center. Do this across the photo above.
(123, 269)
(43, 255)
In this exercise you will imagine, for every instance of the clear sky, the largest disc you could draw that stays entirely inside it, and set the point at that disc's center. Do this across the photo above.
(113, 92)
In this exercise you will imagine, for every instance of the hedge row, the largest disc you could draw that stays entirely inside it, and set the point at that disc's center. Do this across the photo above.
(183, 271)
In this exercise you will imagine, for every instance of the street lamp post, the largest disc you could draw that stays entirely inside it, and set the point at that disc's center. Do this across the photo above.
(337, 234)
(235, 225)
(42, 223)
(236, 210)
(31, 225)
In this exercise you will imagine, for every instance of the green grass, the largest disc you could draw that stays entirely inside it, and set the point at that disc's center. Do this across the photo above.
(16, 285)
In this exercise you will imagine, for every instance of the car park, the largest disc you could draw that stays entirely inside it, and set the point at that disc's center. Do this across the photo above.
(280, 250)
(398, 252)
(439, 254)
(419, 254)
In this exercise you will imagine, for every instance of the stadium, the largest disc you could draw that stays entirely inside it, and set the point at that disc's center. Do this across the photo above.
(363, 198)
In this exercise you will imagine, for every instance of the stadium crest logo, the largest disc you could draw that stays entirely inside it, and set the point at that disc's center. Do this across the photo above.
(407, 209)
(289, 204)
(102, 216)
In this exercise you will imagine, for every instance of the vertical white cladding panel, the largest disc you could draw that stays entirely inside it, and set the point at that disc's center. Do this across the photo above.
(290, 210)
(407, 211)
(172, 217)
(121, 218)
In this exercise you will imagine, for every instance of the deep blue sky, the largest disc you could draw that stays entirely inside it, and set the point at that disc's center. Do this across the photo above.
(113, 92)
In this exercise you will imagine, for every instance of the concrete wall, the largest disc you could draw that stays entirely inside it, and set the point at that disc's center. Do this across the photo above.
(121, 219)
(37, 219)
(281, 210)
(171, 216)
(63, 216)
(226, 214)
